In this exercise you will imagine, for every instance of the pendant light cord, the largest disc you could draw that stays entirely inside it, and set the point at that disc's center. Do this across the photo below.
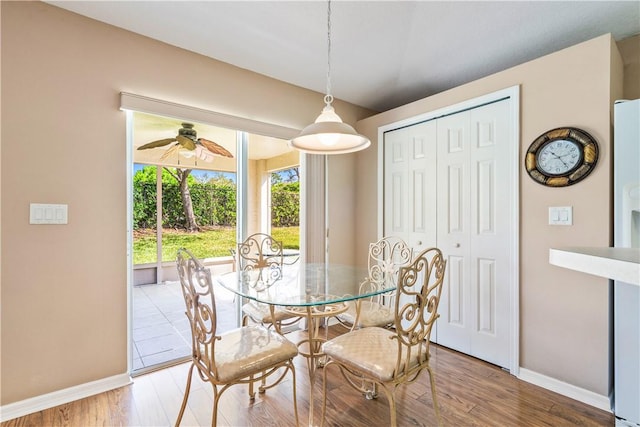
(328, 99)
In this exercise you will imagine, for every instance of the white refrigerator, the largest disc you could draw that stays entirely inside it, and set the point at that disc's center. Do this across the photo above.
(626, 297)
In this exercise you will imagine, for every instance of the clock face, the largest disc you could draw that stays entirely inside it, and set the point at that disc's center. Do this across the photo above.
(559, 157)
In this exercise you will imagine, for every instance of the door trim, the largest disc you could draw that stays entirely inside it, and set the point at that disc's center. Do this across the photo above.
(512, 93)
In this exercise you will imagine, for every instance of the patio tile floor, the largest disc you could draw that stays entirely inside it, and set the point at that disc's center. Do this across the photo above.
(161, 331)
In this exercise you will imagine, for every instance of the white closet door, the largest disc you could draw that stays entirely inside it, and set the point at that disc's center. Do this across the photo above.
(474, 230)
(422, 186)
(490, 232)
(453, 224)
(395, 184)
(410, 185)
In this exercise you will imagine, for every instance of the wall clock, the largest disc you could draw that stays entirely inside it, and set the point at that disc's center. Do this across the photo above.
(561, 157)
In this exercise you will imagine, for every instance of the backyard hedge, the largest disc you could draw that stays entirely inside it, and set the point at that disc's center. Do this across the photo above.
(214, 204)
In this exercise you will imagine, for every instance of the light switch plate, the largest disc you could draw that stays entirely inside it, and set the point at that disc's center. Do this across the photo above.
(561, 215)
(40, 213)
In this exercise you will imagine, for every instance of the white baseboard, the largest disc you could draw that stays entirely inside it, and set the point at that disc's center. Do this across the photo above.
(60, 397)
(585, 396)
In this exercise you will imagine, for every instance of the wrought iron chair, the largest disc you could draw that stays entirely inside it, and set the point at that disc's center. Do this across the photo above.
(241, 356)
(262, 254)
(386, 256)
(389, 358)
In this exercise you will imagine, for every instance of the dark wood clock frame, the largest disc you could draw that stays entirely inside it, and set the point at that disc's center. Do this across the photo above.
(588, 150)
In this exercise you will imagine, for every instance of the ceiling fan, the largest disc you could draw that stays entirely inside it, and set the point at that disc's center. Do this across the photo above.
(188, 144)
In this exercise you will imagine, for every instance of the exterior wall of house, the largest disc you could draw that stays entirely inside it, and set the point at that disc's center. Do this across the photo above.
(563, 313)
(64, 287)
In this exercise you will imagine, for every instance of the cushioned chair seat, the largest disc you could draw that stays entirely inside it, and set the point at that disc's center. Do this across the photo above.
(250, 349)
(371, 314)
(261, 313)
(371, 351)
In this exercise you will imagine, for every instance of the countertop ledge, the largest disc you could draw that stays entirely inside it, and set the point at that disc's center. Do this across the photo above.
(621, 264)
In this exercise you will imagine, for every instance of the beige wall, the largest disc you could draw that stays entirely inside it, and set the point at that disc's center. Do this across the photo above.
(563, 314)
(341, 202)
(64, 291)
(630, 51)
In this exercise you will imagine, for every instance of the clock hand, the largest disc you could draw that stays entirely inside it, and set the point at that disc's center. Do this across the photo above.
(562, 161)
(568, 153)
(554, 154)
(559, 158)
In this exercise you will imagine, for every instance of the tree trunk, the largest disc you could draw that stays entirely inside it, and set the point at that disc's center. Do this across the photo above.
(187, 204)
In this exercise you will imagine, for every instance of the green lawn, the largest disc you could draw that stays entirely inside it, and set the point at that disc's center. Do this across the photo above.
(204, 244)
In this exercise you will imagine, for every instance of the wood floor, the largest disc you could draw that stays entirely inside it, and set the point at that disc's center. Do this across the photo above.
(470, 393)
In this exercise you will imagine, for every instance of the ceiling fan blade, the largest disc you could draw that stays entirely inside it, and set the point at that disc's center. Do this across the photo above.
(158, 143)
(204, 154)
(215, 148)
(186, 142)
(170, 151)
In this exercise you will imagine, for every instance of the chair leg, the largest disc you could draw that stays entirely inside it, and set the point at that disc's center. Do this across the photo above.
(216, 397)
(392, 405)
(433, 395)
(252, 393)
(263, 385)
(295, 398)
(324, 392)
(277, 326)
(186, 395)
(372, 393)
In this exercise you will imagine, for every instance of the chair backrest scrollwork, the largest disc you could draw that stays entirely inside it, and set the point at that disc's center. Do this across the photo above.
(386, 256)
(197, 290)
(416, 304)
(262, 256)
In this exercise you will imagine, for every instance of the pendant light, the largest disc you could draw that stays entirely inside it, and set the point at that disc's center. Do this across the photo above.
(329, 134)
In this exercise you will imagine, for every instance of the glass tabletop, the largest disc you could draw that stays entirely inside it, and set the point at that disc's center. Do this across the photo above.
(302, 284)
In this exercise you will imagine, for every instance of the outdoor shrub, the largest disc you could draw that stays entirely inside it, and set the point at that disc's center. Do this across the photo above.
(214, 203)
(285, 204)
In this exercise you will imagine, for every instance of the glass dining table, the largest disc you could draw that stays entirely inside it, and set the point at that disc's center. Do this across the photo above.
(311, 291)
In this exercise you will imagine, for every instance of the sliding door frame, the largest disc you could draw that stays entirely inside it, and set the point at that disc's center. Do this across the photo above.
(310, 197)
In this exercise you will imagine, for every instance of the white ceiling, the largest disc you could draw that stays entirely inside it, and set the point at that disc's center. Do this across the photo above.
(384, 53)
